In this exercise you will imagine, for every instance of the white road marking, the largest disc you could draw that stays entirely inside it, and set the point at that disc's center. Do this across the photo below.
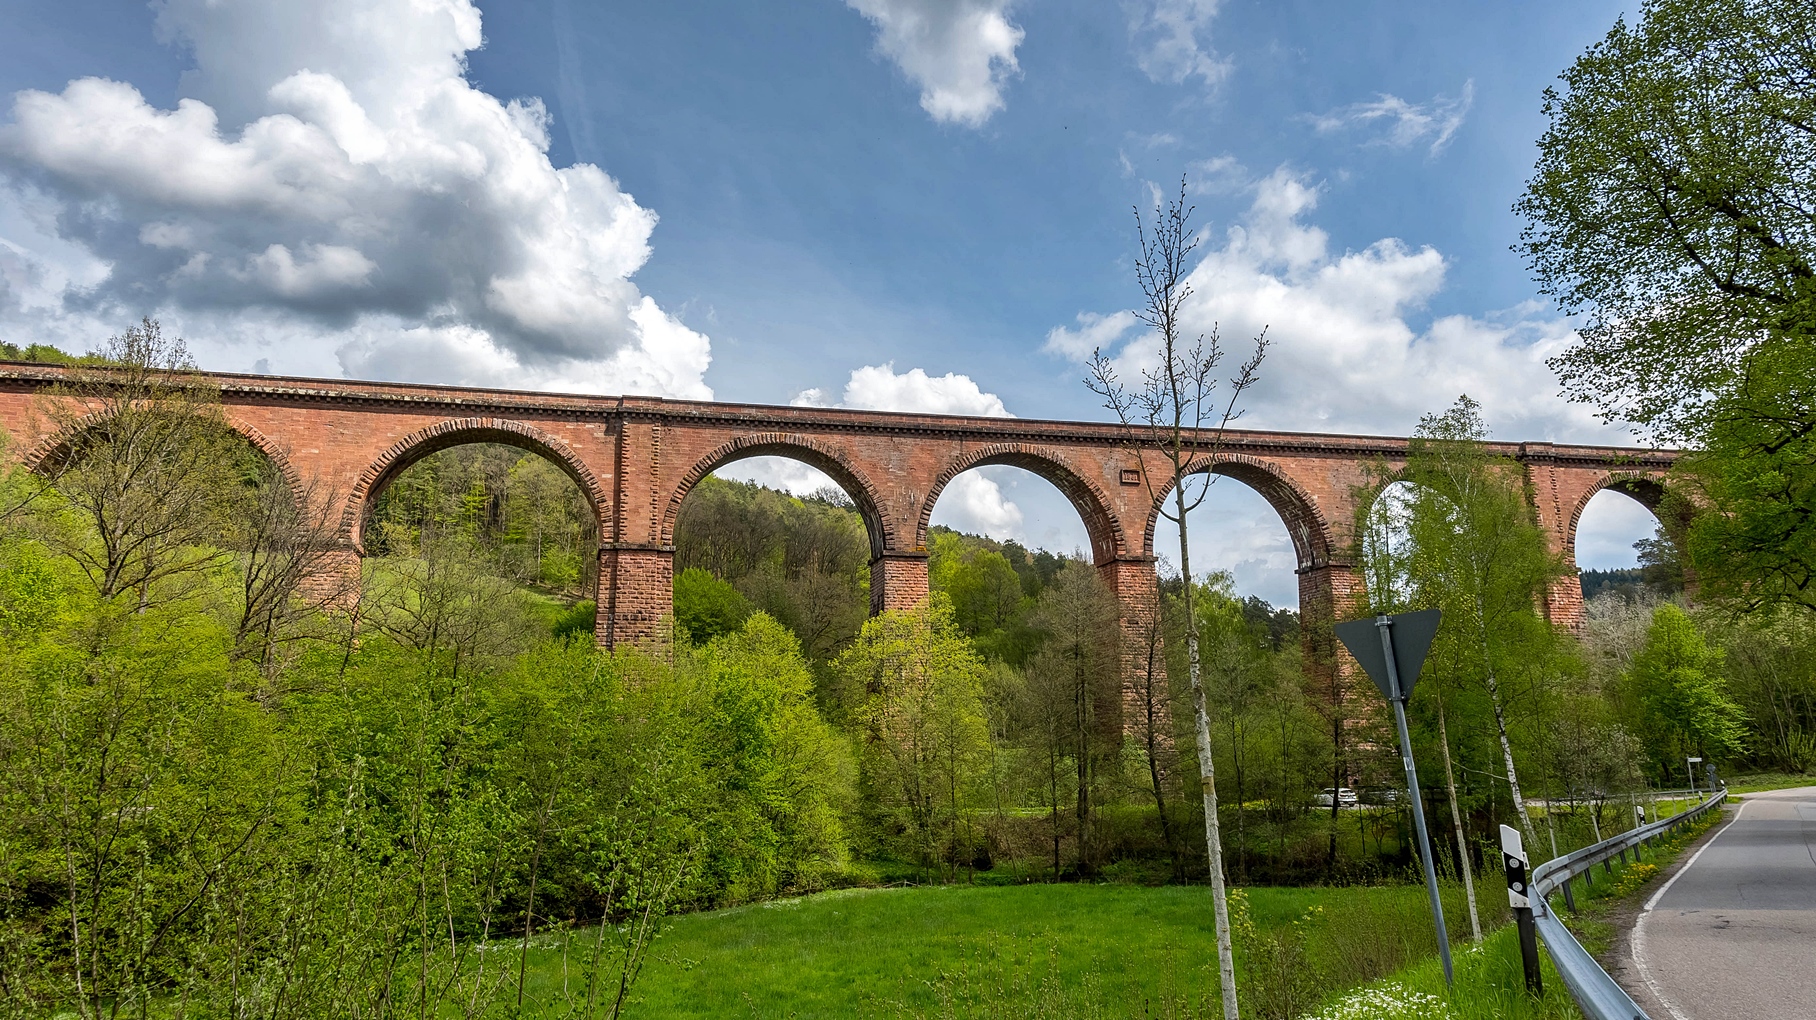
(1639, 926)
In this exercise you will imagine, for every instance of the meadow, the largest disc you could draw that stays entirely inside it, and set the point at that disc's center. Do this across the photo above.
(1071, 949)
(1364, 952)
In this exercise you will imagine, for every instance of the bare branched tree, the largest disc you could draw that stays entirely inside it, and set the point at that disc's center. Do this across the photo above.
(1177, 411)
(146, 462)
(283, 537)
(445, 604)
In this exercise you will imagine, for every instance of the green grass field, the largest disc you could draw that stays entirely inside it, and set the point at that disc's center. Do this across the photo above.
(1060, 950)
(1761, 781)
(1099, 951)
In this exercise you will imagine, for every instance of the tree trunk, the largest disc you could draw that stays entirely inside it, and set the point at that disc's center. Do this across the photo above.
(1081, 707)
(1207, 772)
(1500, 725)
(1241, 798)
(1513, 778)
(1153, 748)
(1456, 820)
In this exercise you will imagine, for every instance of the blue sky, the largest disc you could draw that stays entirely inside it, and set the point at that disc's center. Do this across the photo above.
(911, 204)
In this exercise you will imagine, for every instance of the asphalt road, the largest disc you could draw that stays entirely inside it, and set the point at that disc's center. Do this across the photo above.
(1732, 936)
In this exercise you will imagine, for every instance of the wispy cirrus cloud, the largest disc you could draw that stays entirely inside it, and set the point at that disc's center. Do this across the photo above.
(1401, 124)
(1172, 40)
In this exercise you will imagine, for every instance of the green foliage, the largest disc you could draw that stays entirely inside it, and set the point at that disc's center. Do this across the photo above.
(147, 473)
(517, 516)
(994, 588)
(576, 622)
(912, 687)
(706, 607)
(181, 834)
(34, 594)
(1771, 672)
(1671, 202)
(1677, 682)
(990, 601)
(805, 562)
(1754, 542)
(1068, 707)
(1461, 538)
(44, 354)
(787, 773)
(1270, 736)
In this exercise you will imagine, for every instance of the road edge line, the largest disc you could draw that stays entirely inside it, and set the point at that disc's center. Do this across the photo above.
(1637, 944)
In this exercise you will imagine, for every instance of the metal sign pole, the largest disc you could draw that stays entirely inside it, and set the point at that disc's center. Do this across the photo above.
(1396, 695)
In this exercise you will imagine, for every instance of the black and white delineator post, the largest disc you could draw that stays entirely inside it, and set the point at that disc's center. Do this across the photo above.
(1513, 860)
(1392, 650)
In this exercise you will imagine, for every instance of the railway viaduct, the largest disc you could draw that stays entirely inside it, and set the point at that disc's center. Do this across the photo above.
(636, 458)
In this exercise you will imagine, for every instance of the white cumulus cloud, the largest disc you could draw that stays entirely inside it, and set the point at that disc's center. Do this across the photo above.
(331, 179)
(1173, 40)
(1351, 350)
(974, 501)
(960, 52)
(1402, 124)
(881, 388)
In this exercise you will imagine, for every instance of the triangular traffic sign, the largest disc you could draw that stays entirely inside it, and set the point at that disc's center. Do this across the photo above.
(1412, 634)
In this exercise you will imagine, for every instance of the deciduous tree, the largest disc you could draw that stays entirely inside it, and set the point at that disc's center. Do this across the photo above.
(146, 466)
(917, 688)
(1076, 670)
(1176, 411)
(1674, 203)
(1475, 552)
(1678, 682)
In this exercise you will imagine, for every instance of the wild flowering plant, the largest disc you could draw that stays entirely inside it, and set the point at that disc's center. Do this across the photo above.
(1390, 1001)
(1635, 875)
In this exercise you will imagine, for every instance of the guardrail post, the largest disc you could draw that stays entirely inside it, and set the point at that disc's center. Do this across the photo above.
(1569, 897)
(1513, 857)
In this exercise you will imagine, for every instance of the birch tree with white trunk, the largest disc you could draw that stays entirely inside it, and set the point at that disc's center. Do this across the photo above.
(1181, 409)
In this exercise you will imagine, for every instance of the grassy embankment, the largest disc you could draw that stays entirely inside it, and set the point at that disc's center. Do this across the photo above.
(1762, 781)
(1065, 951)
(1104, 951)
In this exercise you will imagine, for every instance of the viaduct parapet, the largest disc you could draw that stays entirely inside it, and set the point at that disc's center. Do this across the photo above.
(636, 458)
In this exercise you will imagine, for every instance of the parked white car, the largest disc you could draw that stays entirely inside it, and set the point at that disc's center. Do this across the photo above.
(1342, 796)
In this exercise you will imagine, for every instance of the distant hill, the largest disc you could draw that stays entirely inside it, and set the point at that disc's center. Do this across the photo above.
(1596, 582)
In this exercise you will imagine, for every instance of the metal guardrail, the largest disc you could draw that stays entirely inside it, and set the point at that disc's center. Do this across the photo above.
(1595, 992)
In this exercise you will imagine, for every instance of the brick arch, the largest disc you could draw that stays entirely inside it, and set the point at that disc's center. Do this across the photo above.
(48, 453)
(462, 432)
(1092, 504)
(815, 453)
(1305, 524)
(277, 455)
(1648, 490)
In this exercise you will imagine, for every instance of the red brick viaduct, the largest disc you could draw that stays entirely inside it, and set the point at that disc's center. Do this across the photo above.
(636, 458)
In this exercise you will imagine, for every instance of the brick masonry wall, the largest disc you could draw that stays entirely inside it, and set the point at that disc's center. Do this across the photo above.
(637, 596)
(636, 459)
